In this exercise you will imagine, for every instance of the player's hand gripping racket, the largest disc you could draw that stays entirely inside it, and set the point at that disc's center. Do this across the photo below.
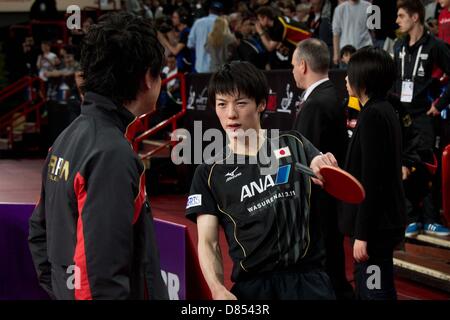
(337, 182)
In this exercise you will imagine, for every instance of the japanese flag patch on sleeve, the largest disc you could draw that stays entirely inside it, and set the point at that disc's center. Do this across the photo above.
(281, 153)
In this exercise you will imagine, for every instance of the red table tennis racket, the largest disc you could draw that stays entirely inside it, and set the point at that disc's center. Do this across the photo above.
(338, 183)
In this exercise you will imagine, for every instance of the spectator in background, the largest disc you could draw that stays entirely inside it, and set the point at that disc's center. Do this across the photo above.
(157, 9)
(288, 8)
(171, 95)
(169, 70)
(47, 61)
(346, 54)
(78, 35)
(218, 42)
(199, 35)
(62, 94)
(250, 47)
(444, 21)
(134, 6)
(242, 7)
(67, 67)
(234, 20)
(31, 53)
(279, 35)
(180, 21)
(432, 10)
(444, 34)
(416, 56)
(319, 21)
(350, 26)
(302, 12)
(147, 10)
(198, 10)
(169, 101)
(388, 26)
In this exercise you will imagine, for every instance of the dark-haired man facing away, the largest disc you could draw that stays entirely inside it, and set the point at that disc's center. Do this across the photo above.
(91, 234)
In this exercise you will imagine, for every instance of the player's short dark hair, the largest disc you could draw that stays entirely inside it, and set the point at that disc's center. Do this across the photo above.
(371, 70)
(412, 7)
(238, 77)
(117, 53)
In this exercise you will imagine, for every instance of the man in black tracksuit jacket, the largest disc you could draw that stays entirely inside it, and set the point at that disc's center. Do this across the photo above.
(91, 234)
(416, 56)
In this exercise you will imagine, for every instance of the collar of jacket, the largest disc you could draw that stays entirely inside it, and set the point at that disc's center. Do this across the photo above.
(426, 35)
(97, 105)
(373, 100)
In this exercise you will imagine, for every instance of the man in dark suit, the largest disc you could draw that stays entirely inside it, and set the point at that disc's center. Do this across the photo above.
(321, 119)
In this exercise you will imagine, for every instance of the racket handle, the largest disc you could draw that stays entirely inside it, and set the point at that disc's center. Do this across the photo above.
(305, 169)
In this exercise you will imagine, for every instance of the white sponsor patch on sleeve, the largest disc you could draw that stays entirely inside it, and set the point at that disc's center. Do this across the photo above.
(194, 200)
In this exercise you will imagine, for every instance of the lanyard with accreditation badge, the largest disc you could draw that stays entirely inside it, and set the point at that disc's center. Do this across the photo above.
(408, 85)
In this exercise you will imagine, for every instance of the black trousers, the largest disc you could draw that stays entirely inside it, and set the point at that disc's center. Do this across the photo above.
(374, 278)
(286, 285)
(426, 209)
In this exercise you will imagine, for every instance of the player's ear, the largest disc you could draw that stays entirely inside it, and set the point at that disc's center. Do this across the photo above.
(262, 106)
(148, 80)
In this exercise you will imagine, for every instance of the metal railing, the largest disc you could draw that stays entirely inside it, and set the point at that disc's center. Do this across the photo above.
(172, 121)
(34, 88)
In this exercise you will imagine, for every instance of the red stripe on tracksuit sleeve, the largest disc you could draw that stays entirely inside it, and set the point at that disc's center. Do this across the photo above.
(84, 291)
(140, 199)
